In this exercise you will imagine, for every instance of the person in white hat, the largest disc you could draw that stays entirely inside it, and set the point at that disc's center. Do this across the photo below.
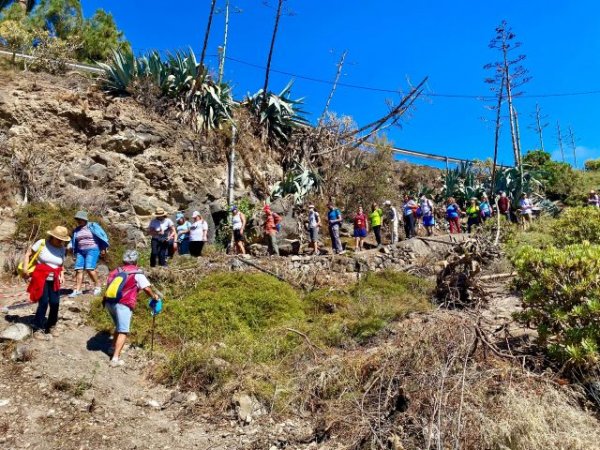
(198, 234)
(593, 199)
(394, 219)
(46, 275)
(162, 230)
(313, 225)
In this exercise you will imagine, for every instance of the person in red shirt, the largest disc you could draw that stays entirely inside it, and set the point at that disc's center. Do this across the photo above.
(504, 205)
(270, 228)
(361, 228)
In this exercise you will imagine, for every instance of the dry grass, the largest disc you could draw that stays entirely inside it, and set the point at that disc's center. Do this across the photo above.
(539, 416)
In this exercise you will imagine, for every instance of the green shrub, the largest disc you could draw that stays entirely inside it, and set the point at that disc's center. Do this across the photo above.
(35, 219)
(369, 306)
(592, 164)
(561, 289)
(576, 225)
(254, 327)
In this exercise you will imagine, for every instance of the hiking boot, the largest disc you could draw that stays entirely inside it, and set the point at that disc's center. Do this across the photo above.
(116, 363)
(97, 291)
(75, 294)
(41, 335)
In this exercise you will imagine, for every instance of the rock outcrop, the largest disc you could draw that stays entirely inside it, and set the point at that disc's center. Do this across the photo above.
(63, 140)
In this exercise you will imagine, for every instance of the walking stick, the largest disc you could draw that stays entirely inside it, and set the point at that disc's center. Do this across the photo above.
(152, 339)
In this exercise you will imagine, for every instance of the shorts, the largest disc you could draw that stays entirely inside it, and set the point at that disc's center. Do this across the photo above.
(238, 236)
(121, 316)
(428, 221)
(360, 232)
(313, 234)
(87, 259)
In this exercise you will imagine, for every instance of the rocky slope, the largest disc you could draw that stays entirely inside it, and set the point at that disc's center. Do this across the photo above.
(63, 140)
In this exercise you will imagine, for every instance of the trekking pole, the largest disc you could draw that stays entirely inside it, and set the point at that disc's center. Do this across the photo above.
(152, 338)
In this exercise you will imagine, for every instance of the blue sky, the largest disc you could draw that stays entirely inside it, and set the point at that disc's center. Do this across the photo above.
(391, 43)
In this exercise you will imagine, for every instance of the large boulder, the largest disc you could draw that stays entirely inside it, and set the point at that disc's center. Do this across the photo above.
(16, 332)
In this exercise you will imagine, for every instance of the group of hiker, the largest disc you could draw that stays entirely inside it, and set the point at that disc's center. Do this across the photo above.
(43, 265)
(182, 236)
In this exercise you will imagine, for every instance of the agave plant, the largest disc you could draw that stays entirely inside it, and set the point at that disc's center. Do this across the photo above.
(299, 183)
(183, 69)
(511, 181)
(279, 114)
(208, 107)
(120, 72)
(462, 184)
(205, 107)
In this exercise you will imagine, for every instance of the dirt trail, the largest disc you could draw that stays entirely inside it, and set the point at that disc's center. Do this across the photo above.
(68, 397)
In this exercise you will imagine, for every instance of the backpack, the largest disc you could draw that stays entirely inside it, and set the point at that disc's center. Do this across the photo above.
(114, 290)
(32, 262)
(277, 221)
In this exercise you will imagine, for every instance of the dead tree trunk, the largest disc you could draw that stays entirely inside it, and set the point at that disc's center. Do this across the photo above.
(573, 146)
(224, 48)
(497, 135)
(340, 66)
(207, 33)
(271, 48)
(560, 141)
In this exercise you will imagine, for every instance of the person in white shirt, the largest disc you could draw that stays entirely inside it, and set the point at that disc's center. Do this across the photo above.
(238, 225)
(526, 210)
(198, 234)
(162, 230)
(314, 223)
(394, 219)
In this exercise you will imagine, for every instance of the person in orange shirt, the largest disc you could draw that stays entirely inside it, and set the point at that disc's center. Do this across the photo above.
(270, 227)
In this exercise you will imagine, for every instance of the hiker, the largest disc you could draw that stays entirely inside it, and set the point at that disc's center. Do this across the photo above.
(183, 234)
(238, 224)
(453, 214)
(593, 199)
(313, 225)
(473, 214)
(271, 227)
(89, 241)
(394, 219)
(525, 210)
(163, 231)
(485, 209)
(334, 220)
(122, 288)
(47, 276)
(361, 228)
(375, 218)
(409, 216)
(504, 205)
(427, 214)
(198, 234)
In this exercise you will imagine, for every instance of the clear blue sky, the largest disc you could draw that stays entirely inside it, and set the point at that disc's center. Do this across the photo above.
(392, 41)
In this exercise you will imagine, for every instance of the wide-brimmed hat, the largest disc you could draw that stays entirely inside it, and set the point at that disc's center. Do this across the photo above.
(60, 233)
(160, 212)
(82, 215)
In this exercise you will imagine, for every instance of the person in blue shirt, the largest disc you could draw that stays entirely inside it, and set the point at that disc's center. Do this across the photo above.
(334, 219)
(183, 234)
(88, 243)
(485, 208)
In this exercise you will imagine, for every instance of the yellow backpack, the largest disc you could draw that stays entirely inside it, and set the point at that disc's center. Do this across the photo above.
(32, 261)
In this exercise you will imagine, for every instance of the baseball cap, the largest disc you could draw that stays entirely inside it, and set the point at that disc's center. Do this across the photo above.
(195, 214)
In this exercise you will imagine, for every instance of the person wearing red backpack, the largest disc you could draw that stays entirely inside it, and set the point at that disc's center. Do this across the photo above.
(271, 227)
(120, 300)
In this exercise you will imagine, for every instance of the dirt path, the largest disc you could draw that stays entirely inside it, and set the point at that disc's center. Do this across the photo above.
(64, 395)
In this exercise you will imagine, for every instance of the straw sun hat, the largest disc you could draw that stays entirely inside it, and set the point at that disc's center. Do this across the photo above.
(160, 212)
(60, 233)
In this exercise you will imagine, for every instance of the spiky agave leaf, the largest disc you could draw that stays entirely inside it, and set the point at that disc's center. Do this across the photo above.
(119, 72)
